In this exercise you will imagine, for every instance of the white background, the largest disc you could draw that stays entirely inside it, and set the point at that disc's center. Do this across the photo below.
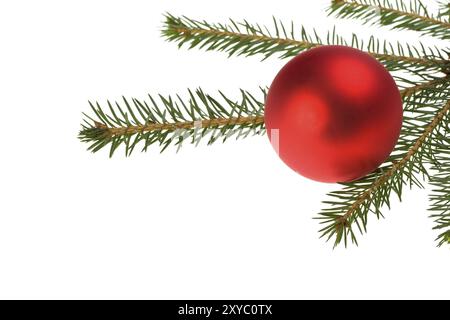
(225, 221)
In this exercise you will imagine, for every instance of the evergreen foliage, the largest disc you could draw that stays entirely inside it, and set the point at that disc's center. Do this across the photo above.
(423, 150)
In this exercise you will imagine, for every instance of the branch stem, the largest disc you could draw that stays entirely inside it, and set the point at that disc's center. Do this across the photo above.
(253, 120)
(407, 92)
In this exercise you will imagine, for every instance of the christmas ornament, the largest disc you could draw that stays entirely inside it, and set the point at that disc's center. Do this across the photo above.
(333, 114)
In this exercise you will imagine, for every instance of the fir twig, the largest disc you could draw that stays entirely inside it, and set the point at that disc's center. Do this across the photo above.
(412, 90)
(243, 38)
(412, 15)
(440, 181)
(172, 121)
(440, 195)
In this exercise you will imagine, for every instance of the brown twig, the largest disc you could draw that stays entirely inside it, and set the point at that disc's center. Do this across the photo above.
(210, 123)
(407, 92)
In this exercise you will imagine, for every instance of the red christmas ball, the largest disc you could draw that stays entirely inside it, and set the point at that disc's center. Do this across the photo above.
(333, 114)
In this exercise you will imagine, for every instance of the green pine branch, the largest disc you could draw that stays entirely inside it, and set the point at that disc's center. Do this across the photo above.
(412, 15)
(171, 120)
(440, 181)
(244, 38)
(425, 116)
(440, 202)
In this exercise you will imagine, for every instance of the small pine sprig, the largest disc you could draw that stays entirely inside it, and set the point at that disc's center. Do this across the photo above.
(244, 38)
(425, 115)
(440, 203)
(440, 181)
(411, 15)
(170, 120)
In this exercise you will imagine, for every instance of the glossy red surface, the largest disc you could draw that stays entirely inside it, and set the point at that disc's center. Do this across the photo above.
(338, 113)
